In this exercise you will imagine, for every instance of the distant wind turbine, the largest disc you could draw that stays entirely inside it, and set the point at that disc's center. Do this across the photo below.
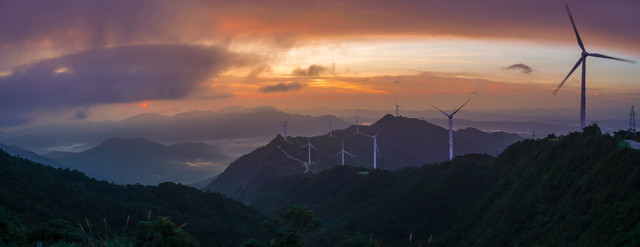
(344, 152)
(397, 106)
(376, 152)
(450, 116)
(284, 126)
(309, 145)
(330, 127)
(583, 61)
(632, 119)
(357, 125)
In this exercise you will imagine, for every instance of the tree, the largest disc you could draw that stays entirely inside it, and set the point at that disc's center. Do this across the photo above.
(11, 230)
(162, 232)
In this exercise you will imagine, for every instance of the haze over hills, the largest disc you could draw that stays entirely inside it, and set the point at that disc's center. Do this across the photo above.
(402, 142)
(235, 132)
(130, 161)
(238, 131)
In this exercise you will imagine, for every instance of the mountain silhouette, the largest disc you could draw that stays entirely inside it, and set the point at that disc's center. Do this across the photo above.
(402, 142)
(130, 161)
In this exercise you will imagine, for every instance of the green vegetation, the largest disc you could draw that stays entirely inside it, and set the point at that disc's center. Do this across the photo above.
(42, 203)
(580, 189)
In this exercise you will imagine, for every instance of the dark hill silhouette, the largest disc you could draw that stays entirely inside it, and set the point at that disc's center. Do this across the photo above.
(403, 142)
(38, 194)
(581, 189)
(129, 161)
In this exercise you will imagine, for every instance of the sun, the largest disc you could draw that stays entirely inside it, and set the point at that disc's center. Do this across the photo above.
(144, 105)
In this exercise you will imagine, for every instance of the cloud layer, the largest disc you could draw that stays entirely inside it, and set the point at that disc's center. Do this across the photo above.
(112, 75)
(525, 69)
(282, 87)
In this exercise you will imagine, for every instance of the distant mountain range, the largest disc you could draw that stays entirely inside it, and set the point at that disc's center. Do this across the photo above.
(233, 132)
(130, 161)
(402, 142)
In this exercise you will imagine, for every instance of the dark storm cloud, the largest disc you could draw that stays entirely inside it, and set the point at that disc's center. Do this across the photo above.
(282, 87)
(312, 70)
(525, 69)
(80, 114)
(113, 75)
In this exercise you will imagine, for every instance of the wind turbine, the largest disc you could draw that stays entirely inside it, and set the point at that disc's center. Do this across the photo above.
(632, 119)
(330, 127)
(583, 61)
(397, 106)
(344, 152)
(309, 145)
(357, 125)
(376, 152)
(284, 126)
(450, 116)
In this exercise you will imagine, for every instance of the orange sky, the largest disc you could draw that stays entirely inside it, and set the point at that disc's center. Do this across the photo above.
(107, 59)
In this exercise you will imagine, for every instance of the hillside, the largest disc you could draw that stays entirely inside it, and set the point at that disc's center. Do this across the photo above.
(41, 195)
(581, 189)
(402, 142)
(130, 161)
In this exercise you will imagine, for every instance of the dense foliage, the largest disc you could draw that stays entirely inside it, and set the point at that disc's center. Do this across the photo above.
(582, 189)
(41, 198)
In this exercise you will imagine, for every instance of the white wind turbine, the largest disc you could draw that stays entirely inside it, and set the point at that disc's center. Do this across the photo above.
(397, 106)
(344, 152)
(330, 127)
(309, 145)
(450, 116)
(284, 126)
(583, 61)
(376, 152)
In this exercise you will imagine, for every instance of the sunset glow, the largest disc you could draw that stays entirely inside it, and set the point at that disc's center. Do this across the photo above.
(211, 55)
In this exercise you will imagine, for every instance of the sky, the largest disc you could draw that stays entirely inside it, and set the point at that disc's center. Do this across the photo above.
(76, 60)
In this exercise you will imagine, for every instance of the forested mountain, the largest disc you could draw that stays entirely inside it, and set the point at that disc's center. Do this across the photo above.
(130, 161)
(45, 197)
(582, 189)
(402, 142)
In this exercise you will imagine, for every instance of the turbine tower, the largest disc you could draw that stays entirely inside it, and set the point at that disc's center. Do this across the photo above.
(632, 119)
(330, 127)
(344, 152)
(583, 61)
(357, 125)
(450, 116)
(309, 145)
(284, 126)
(397, 106)
(376, 152)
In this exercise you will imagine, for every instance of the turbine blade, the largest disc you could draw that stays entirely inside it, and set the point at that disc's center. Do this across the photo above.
(460, 107)
(377, 133)
(304, 146)
(349, 154)
(614, 58)
(440, 110)
(338, 153)
(574, 28)
(313, 146)
(565, 79)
